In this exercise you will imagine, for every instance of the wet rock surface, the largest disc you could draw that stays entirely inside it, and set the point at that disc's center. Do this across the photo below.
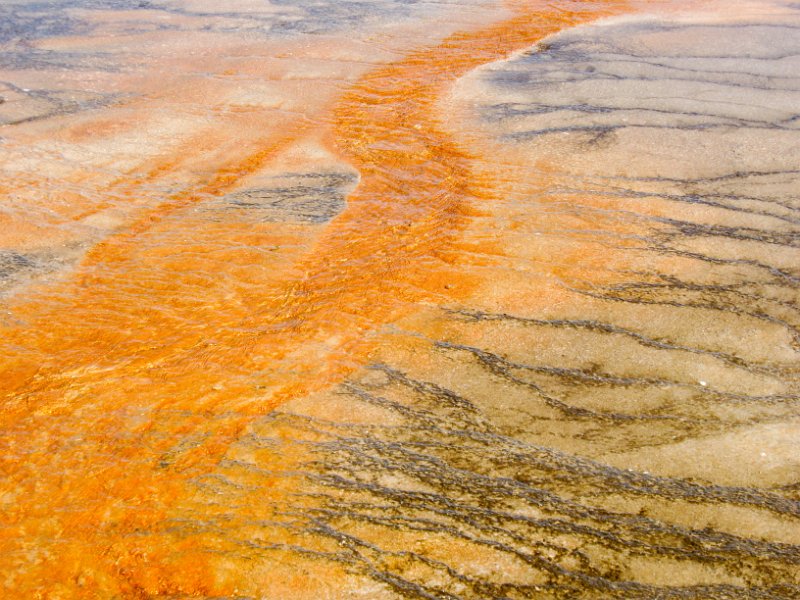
(631, 432)
(526, 327)
(306, 197)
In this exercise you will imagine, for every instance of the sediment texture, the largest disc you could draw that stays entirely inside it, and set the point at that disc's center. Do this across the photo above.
(615, 415)
(533, 334)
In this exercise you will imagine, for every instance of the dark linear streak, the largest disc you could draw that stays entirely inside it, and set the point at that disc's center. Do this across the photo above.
(607, 328)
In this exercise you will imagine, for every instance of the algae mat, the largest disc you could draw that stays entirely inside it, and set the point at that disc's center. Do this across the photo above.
(400, 300)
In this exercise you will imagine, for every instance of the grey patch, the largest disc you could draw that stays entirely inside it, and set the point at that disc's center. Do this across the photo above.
(34, 59)
(324, 16)
(602, 137)
(306, 198)
(12, 263)
(582, 81)
(25, 21)
(18, 268)
(35, 21)
(42, 104)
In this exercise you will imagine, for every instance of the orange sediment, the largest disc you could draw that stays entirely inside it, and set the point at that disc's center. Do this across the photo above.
(147, 345)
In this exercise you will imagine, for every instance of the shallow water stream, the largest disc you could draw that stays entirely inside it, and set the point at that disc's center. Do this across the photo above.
(396, 299)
